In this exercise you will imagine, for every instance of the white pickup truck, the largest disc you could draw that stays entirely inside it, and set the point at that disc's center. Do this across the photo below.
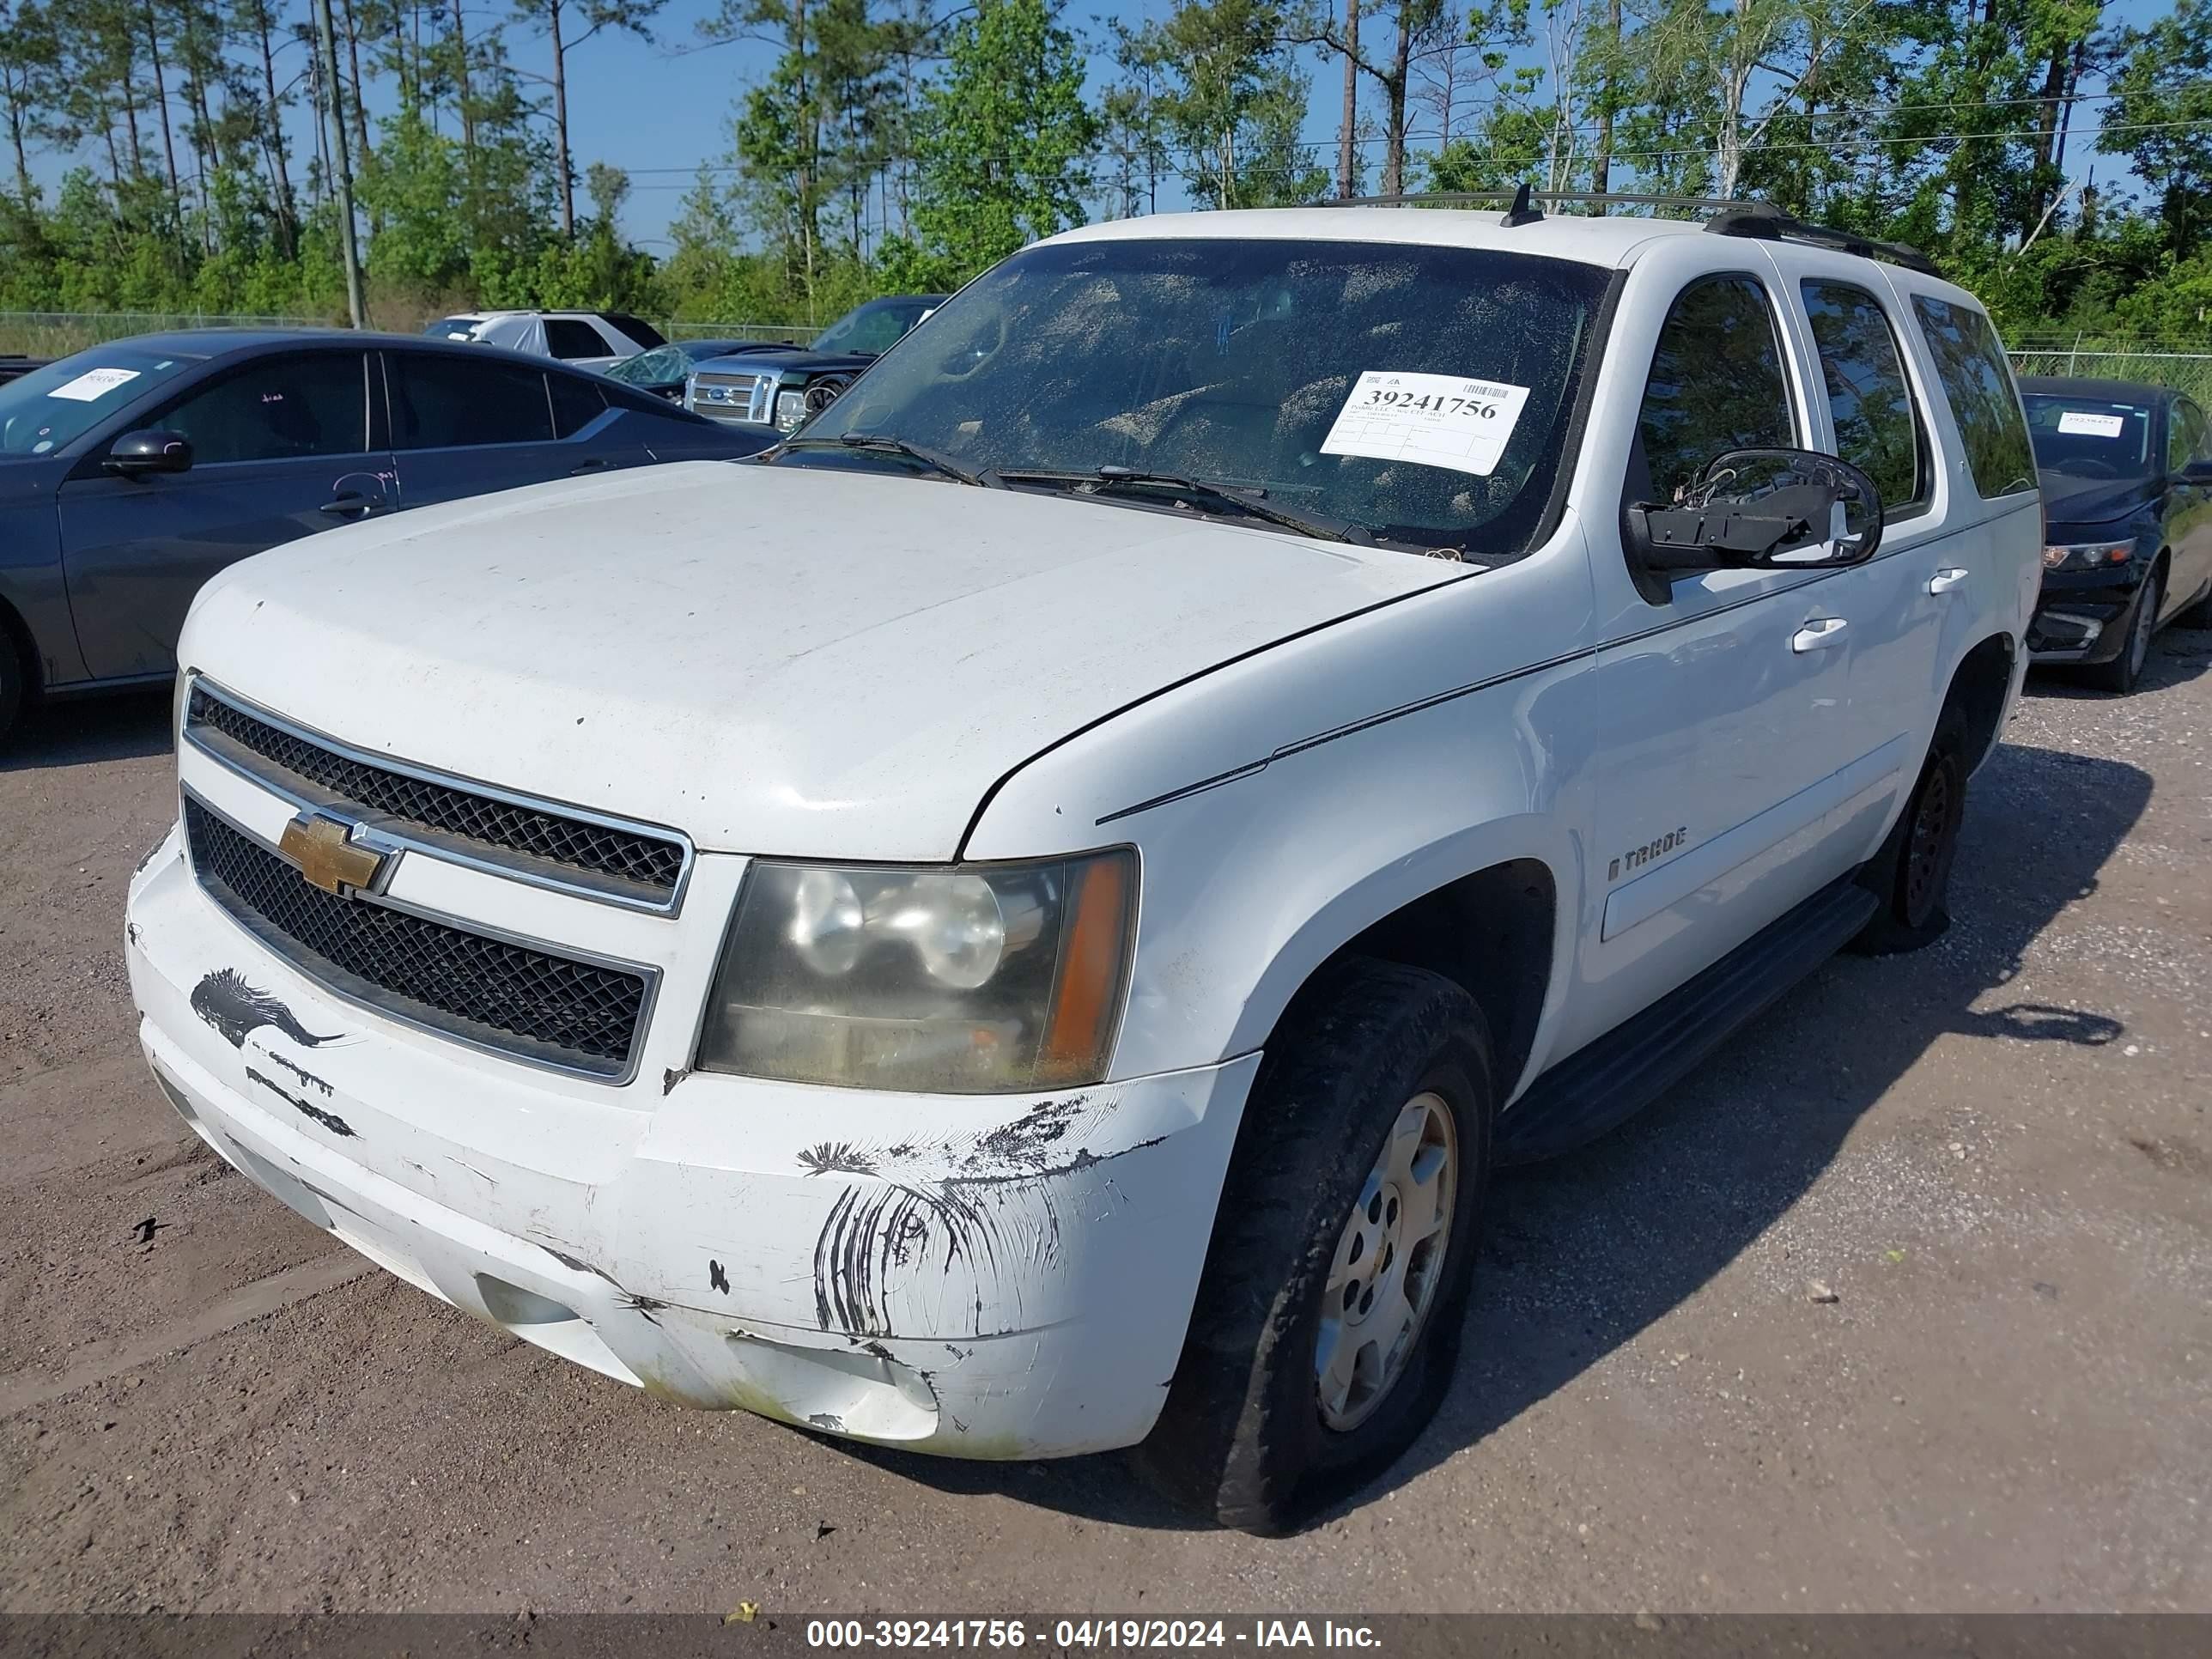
(1019, 922)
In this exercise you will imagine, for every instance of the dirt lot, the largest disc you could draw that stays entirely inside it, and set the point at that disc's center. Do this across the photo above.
(1997, 1154)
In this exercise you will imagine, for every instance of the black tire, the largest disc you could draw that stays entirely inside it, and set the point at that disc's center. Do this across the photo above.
(2198, 614)
(1241, 1438)
(1911, 874)
(2120, 675)
(14, 685)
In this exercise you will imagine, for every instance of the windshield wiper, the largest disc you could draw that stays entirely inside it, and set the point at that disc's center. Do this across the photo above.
(1237, 498)
(885, 445)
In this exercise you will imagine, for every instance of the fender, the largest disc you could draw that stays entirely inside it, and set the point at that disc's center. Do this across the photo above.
(1283, 804)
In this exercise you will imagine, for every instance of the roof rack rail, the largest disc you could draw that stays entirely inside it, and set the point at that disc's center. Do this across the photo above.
(1762, 222)
(1463, 198)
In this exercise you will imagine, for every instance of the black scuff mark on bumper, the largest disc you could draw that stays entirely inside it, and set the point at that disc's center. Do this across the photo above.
(130, 931)
(331, 1120)
(236, 1009)
(576, 1264)
(308, 1078)
(830, 1421)
(645, 1306)
(672, 1076)
(716, 1278)
(836, 1158)
(988, 1203)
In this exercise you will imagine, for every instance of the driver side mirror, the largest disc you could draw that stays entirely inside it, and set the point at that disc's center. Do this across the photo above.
(1763, 509)
(2197, 472)
(135, 454)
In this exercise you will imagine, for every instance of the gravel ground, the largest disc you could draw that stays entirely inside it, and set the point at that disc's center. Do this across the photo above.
(1995, 1153)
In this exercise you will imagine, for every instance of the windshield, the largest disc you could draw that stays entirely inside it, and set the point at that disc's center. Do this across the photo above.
(662, 363)
(47, 408)
(871, 328)
(453, 328)
(1420, 392)
(2089, 437)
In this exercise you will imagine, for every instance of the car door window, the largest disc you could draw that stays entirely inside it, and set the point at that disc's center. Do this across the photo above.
(577, 404)
(2184, 440)
(569, 339)
(441, 401)
(1979, 386)
(278, 409)
(1877, 429)
(1717, 384)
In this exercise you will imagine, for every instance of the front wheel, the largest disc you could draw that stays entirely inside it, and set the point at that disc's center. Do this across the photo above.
(1327, 1322)
(2121, 674)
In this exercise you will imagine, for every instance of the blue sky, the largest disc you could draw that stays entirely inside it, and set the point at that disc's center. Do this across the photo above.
(659, 109)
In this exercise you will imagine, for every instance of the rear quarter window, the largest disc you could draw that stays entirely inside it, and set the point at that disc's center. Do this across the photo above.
(1979, 384)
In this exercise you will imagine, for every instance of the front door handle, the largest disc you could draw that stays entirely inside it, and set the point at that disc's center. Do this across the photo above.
(597, 464)
(1944, 580)
(1818, 634)
(354, 505)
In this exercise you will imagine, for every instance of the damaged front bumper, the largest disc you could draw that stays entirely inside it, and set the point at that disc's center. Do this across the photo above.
(987, 1277)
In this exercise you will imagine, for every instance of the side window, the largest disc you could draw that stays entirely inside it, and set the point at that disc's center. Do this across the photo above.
(567, 338)
(577, 404)
(2184, 441)
(1980, 385)
(1717, 383)
(641, 332)
(441, 402)
(1876, 429)
(279, 409)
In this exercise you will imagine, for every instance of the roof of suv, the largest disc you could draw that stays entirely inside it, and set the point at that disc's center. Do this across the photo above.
(1610, 242)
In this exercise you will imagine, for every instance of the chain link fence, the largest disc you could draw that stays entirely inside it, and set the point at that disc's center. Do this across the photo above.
(2189, 371)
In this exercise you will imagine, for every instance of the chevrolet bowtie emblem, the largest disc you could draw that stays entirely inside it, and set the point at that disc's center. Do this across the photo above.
(327, 856)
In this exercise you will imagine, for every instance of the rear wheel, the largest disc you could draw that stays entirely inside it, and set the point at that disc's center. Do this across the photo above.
(1911, 874)
(2120, 675)
(1327, 1322)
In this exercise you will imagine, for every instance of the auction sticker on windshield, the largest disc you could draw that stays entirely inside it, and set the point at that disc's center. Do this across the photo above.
(1436, 420)
(2092, 425)
(94, 385)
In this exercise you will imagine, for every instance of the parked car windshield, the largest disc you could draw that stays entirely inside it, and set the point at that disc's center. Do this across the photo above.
(1422, 393)
(47, 408)
(873, 327)
(453, 328)
(2089, 437)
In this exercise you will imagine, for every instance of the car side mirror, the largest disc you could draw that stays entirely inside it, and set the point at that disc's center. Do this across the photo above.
(2197, 472)
(135, 454)
(1786, 509)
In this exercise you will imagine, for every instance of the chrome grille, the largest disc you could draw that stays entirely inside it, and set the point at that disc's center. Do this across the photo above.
(725, 397)
(623, 862)
(532, 1003)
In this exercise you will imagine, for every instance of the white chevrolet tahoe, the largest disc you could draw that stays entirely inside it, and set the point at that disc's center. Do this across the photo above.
(1019, 922)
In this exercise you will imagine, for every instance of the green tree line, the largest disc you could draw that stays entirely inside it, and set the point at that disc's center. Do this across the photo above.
(172, 155)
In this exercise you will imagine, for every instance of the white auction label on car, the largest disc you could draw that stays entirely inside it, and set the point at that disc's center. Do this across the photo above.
(2093, 426)
(94, 385)
(1437, 420)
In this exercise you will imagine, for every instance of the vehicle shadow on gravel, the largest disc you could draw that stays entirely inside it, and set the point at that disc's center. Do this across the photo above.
(1584, 1254)
(83, 731)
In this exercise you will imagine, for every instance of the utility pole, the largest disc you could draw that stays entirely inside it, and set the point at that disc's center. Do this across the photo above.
(327, 40)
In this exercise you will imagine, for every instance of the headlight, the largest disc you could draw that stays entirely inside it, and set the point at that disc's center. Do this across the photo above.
(971, 979)
(790, 410)
(2084, 556)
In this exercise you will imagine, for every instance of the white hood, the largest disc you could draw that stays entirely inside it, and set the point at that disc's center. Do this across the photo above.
(776, 660)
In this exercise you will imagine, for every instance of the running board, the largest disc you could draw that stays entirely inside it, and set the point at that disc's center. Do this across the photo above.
(1607, 1081)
